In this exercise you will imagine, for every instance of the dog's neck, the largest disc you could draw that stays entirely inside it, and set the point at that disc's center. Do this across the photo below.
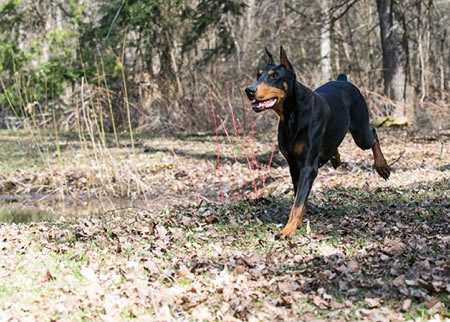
(297, 101)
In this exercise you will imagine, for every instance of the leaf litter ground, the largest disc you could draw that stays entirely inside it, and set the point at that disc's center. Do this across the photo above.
(369, 249)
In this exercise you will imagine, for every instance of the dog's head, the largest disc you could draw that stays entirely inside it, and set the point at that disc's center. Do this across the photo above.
(273, 84)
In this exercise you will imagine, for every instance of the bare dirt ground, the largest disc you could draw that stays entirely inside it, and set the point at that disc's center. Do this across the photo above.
(369, 249)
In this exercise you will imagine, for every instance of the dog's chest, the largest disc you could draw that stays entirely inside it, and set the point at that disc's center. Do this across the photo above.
(292, 143)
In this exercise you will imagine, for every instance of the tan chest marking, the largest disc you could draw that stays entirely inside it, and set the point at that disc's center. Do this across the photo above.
(299, 147)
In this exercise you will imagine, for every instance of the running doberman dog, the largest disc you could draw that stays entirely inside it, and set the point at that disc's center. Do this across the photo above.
(312, 125)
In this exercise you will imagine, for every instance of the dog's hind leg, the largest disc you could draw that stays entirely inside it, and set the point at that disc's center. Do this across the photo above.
(366, 137)
(365, 143)
(336, 159)
(380, 163)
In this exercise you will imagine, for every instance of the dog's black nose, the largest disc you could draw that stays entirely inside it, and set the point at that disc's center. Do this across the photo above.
(250, 91)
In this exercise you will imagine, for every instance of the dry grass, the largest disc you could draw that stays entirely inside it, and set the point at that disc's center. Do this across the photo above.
(169, 168)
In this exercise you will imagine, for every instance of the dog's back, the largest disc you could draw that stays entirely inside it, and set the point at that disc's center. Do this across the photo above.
(348, 109)
(340, 93)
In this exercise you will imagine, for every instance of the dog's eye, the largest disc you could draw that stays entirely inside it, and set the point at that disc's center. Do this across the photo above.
(275, 76)
(259, 74)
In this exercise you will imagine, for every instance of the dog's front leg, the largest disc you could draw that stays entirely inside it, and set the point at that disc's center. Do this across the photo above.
(307, 175)
(295, 173)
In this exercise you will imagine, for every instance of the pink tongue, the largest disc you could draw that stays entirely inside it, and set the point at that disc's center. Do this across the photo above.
(268, 103)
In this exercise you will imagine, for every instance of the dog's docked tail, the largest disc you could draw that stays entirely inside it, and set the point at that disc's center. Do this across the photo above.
(342, 77)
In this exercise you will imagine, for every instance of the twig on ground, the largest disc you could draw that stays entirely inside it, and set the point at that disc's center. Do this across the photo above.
(398, 158)
(442, 154)
(126, 208)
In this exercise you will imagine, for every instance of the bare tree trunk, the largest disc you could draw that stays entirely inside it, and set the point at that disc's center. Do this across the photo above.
(371, 81)
(427, 32)
(176, 73)
(421, 55)
(442, 68)
(336, 50)
(325, 41)
(250, 22)
(282, 10)
(237, 45)
(395, 55)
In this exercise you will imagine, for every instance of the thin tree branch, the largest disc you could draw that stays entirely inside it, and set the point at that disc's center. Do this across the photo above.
(343, 13)
(114, 20)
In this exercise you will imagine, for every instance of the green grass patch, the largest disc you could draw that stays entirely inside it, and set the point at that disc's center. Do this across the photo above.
(22, 215)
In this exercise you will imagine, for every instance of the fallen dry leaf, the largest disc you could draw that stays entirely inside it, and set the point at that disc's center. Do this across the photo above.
(49, 276)
(211, 219)
(406, 304)
(89, 274)
(372, 302)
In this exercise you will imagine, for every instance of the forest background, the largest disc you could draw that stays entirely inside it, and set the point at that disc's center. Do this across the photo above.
(151, 65)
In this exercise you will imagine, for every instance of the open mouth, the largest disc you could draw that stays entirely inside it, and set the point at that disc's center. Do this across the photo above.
(259, 106)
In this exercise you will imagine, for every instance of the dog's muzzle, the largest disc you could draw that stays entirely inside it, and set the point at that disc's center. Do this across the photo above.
(250, 91)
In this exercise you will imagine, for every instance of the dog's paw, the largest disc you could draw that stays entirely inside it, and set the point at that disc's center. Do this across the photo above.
(383, 169)
(336, 160)
(287, 233)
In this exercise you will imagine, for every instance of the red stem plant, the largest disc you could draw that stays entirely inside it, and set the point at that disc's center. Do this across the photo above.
(240, 141)
(217, 148)
(245, 143)
(272, 153)
(253, 161)
(222, 124)
(252, 145)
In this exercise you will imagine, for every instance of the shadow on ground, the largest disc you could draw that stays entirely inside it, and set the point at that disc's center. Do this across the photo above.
(384, 244)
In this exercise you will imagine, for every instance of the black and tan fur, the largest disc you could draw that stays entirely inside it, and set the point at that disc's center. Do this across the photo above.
(312, 126)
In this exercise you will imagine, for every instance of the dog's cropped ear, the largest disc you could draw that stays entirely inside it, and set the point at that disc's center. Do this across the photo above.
(285, 61)
(270, 60)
